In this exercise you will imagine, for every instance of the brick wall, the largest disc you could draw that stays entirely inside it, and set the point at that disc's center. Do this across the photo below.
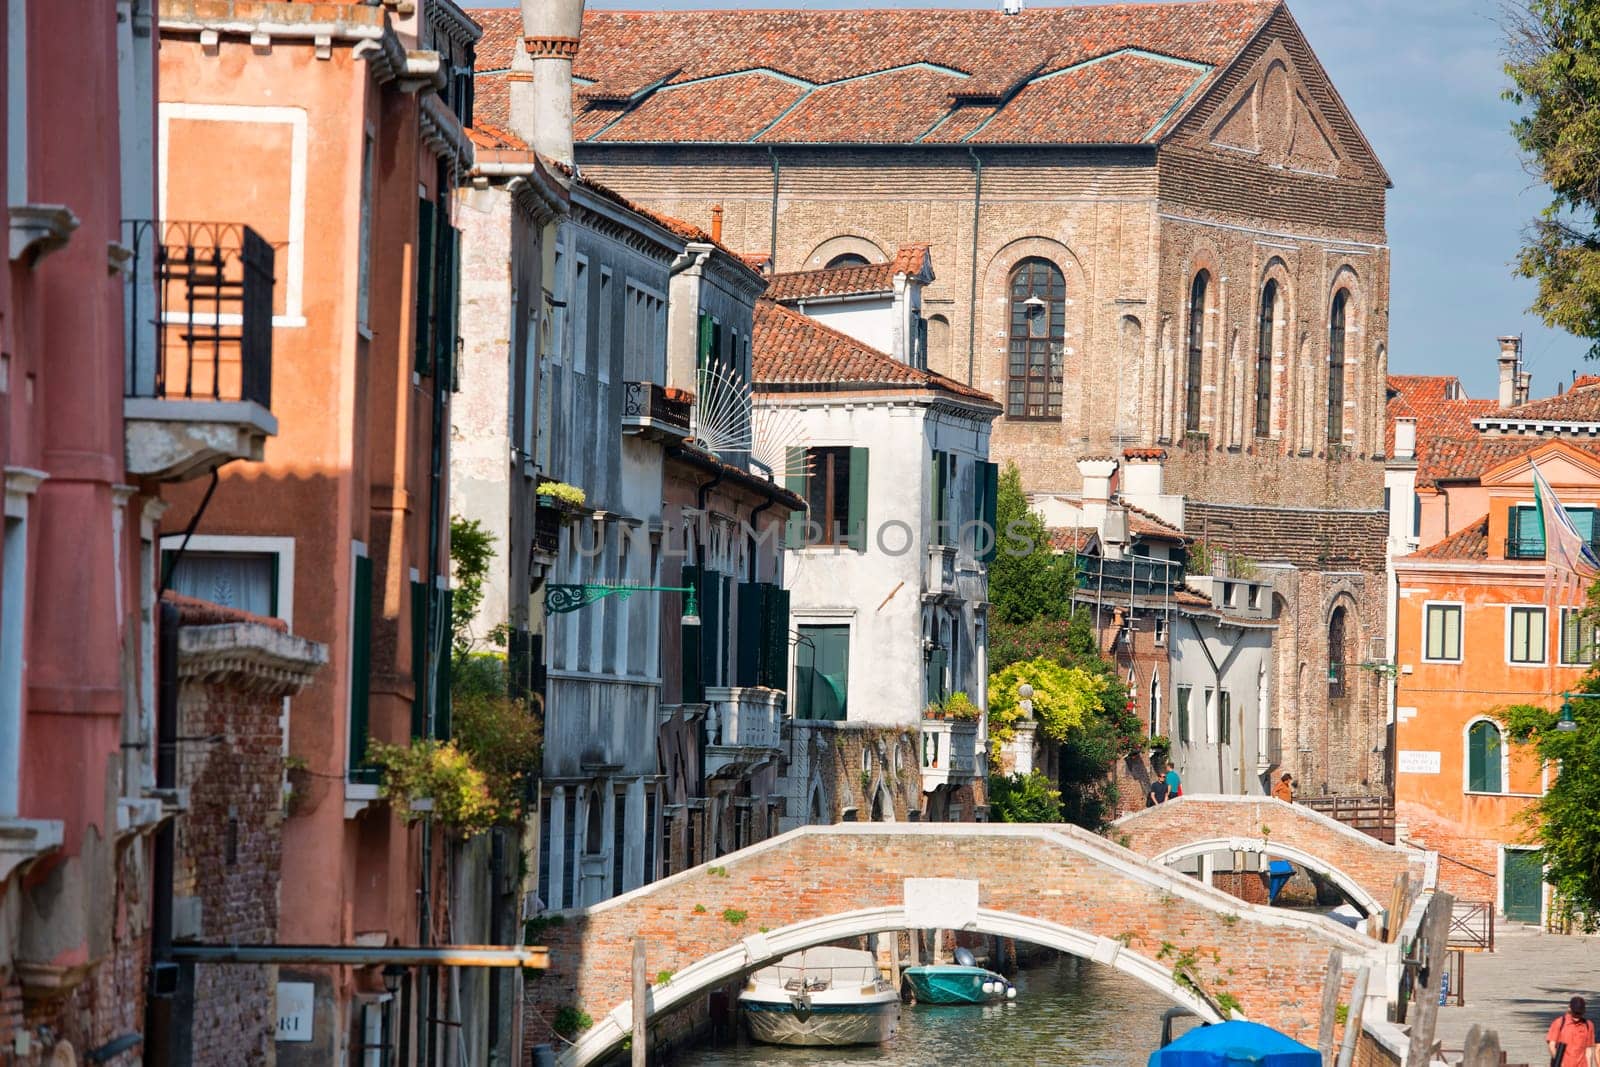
(1468, 861)
(1273, 962)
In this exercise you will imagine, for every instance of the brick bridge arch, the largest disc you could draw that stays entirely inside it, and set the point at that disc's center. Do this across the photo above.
(1360, 865)
(1059, 886)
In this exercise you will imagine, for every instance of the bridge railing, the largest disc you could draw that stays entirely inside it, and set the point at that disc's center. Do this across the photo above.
(1372, 815)
(1472, 925)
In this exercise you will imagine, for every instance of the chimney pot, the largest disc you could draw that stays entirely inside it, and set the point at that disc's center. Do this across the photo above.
(716, 222)
(1510, 364)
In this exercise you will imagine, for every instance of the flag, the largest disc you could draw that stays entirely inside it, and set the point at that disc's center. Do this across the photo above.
(1571, 564)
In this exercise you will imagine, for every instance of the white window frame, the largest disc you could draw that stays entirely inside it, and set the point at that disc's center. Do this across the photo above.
(20, 485)
(230, 544)
(1511, 611)
(1461, 629)
(1466, 758)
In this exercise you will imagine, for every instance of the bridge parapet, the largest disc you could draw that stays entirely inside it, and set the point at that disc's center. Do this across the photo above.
(1364, 867)
(1058, 886)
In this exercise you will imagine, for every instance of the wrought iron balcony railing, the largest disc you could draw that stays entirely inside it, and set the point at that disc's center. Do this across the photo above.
(1524, 548)
(648, 407)
(1140, 575)
(199, 312)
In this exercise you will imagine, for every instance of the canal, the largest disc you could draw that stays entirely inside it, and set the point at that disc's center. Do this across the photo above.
(1068, 1013)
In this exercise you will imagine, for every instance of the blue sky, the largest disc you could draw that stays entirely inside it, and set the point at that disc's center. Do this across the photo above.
(1424, 81)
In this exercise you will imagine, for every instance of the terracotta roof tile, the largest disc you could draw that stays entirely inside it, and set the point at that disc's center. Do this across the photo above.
(1121, 73)
(791, 351)
(913, 260)
(1578, 404)
(1073, 538)
(488, 135)
(1451, 459)
(195, 612)
(1584, 381)
(1439, 406)
(1469, 542)
(1142, 523)
(1154, 454)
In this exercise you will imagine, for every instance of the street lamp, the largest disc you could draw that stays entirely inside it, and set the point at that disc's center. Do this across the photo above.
(1566, 724)
(392, 975)
(560, 599)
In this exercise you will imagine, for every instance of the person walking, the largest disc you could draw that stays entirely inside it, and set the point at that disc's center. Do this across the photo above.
(1571, 1037)
(1158, 792)
(1174, 783)
(1283, 788)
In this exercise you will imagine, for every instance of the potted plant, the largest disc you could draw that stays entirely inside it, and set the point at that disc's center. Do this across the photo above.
(437, 780)
(958, 707)
(556, 494)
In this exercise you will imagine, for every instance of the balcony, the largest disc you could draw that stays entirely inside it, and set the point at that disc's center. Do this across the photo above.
(743, 725)
(1135, 575)
(197, 381)
(648, 409)
(1524, 548)
(941, 579)
(949, 752)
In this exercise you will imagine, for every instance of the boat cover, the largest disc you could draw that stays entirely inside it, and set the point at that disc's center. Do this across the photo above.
(1235, 1044)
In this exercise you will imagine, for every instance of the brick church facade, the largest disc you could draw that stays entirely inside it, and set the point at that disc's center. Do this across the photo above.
(1152, 225)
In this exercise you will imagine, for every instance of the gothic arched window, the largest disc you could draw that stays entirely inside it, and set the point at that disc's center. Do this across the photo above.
(1336, 326)
(1037, 331)
(1197, 351)
(1269, 318)
(1484, 744)
(1336, 661)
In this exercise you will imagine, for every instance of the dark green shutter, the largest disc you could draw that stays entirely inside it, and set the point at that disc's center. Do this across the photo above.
(441, 693)
(856, 521)
(990, 493)
(1483, 758)
(702, 354)
(444, 333)
(934, 683)
(419, 659)
(775, 664)
(424, 276)
(938, 485)
(752, 638)
(713, 627)
(360, 671)
(794, 480)
(694, 690)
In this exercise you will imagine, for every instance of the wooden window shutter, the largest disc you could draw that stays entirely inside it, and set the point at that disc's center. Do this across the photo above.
(775, 673)
(441, 694)
(361, 672)
(991, 509)
(752, 617)
(419, 659)
(444, 333)
(694, 691)
(794, 480)
(935, 679)
(424, 279)
(856, 522)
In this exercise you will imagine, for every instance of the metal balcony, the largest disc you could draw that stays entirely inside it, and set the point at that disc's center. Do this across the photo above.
(197, 381)
(1524, 548)
(648, 409)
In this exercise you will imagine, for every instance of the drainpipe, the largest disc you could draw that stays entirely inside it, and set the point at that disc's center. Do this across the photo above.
(776, 172)
(972, 295)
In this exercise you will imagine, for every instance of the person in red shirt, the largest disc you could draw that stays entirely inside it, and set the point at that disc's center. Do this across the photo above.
(1571, 1037)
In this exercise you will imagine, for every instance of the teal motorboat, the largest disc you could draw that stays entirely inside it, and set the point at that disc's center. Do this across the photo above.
(962, 982)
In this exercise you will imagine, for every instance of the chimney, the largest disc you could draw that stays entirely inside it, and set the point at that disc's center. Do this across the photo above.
(1405, 438)
(1510, 365)
(716, 222)
(1096, 473)
(1524, 384)
(550, 33)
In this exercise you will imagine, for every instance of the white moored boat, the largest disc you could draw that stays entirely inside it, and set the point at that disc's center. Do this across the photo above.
(822, 996)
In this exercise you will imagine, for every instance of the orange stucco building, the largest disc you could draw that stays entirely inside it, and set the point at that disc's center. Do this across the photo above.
(337, 132)
(1478, 629)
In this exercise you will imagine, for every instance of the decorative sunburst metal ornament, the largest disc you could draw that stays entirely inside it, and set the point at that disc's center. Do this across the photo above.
(729, 425)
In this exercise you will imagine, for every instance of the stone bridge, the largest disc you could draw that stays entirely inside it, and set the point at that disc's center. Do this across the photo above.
(1362, 866)
(1058, 886)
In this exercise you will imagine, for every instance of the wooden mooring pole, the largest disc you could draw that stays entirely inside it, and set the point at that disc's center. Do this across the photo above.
(1330, 1007)
(641, 1006)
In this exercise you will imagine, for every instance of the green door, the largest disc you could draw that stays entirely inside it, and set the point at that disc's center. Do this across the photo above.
(1524, 890)
(822, 672)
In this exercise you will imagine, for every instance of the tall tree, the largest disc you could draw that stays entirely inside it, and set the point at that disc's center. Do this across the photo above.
(1027, 580)
(1553, 58)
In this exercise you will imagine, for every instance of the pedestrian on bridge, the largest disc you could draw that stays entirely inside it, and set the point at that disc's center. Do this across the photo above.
(1571, 1037)
(1283, 788)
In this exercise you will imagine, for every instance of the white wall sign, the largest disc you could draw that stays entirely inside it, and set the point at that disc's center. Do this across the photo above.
(296, 1001)
(1418, 762)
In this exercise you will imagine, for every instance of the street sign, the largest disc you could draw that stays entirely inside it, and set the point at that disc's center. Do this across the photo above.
(296, 1002)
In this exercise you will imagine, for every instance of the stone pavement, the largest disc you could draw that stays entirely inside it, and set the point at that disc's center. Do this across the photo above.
(1519, 988)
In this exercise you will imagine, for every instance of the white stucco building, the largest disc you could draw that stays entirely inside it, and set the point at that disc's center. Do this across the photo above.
(887, 580)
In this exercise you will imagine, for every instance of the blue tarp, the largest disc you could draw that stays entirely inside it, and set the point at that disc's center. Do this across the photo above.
(1235, 1044)
(1278, 874)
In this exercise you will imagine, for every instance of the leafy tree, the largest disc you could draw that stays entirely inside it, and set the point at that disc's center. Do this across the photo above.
(1026, 579)
(1566, 819)
(1063, 699)
(1024, 798)
(1554, 64)
(471, 552)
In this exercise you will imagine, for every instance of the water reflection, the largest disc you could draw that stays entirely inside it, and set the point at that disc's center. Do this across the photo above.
(1068, 1013)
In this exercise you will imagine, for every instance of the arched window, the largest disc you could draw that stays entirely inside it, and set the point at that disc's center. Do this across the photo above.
(594, 837)
(1336, 664)
(938, 343)
(847, 259)
(1484, 753)
(1038, 331)
(1336, 366)
(1269, 318)
(1197, 351)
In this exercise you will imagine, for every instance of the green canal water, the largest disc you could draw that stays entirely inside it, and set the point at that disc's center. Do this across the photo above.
(1068, 1013)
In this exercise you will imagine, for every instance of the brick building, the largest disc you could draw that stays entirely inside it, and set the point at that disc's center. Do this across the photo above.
(1155, 224)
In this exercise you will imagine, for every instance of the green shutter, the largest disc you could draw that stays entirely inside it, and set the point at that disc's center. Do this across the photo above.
(1483, 758)
(702, 354)
(752, 639)
(990, 473)
(694, 690)
(360, 671)
(933, 684)
(441, 692)
(419, 659)
(444, 337)
(856, 522)
(1183, 713)
(794, 480)
(775, 664)
(713, 627)
(424, 297)
(940, 487)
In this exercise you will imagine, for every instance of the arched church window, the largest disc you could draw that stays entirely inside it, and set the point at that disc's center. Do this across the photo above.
(1197, 351)
(1336, 328)
(847, 259)
(1269, 319)
(1037, 333)
(1336, 662)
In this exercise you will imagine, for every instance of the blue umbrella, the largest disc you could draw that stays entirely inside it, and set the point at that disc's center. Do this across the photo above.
(1236, 1044)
